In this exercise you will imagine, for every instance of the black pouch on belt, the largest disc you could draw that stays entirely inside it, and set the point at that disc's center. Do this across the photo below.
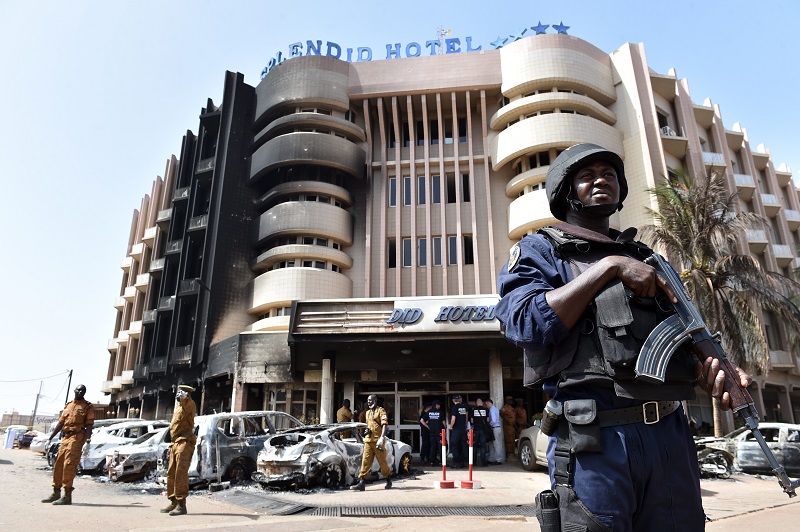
(585, 434)
(547, 511)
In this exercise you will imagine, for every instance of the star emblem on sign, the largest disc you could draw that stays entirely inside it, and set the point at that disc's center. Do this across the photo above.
(560, 28)
(517, 36)
(498, 43)
(539, 28)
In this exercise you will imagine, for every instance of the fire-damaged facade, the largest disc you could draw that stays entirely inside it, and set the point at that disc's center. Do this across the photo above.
(337, 229)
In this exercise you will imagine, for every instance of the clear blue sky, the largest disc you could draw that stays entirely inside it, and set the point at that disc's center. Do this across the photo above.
(98, 94)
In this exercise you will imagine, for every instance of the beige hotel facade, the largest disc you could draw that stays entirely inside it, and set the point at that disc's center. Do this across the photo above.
(337, 229)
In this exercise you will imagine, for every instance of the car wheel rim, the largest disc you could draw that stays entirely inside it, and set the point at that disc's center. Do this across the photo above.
(525, 455)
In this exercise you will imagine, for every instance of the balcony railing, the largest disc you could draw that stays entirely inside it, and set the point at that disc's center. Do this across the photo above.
(771, 204)
(205, 165)
(142, 280)
(198, 222)
(173, 247)
(783, 254)
(181, 356)
(713, 159)
(112, 344)
(127, 262)
(757, 240)
(106, 387)
(189, 286)
(181, 194)
(140, 372)
(137, 250)
(135, 330)
(119, 303)
(149, 316)
(669, 132)
(792, 218)
(158, 365)
(150, 236)
(166, 303)
(127, 377)
(164, 216)
(130, 293)
(157, 267)
(781, 359)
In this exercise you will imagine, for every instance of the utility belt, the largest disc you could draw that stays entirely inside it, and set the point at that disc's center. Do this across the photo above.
(582, 430)
(71, 432)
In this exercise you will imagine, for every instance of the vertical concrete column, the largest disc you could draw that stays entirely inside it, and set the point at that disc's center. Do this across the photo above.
(758, 397)
(785, 400)
(495, 378)
(326, 413)
(350, 392)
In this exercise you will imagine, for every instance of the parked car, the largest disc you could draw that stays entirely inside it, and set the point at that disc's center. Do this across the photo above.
(782, 438)
(93, 456)
(228, 443)
(39, 443)
(532, 447)
(326, 455)
(136, 459)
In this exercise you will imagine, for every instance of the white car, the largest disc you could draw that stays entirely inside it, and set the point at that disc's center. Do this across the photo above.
(93, 456)
(138, 458)
(532, 447)
(326, 455)
(39, 443)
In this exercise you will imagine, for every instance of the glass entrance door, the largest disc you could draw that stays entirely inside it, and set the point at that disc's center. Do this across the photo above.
(408, 408)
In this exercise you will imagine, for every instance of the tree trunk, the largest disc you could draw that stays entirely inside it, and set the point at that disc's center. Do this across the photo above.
(718, 429)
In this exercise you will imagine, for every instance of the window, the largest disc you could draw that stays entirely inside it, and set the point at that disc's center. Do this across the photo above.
(406, 252)
(462, 129)
(434, 132)
(392, 138)
(420, 134)
(392, 192)
(334, 268)
(448, 131)
(406, 191)
(539, 159)
(452, 250)
(322, 242)
(420, 190)
(319, 264)
(392, 253)
(451, 188)
(469, 258)
(422, 252)
(465, 187)
(436, 189)
(406, 135)
(308, 240)
(351, 116)
(436, 250)
(308, 264)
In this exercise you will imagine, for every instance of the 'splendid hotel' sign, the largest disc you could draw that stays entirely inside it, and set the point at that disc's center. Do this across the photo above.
(443, 45)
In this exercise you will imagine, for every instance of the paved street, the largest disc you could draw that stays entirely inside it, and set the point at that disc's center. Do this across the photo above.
(740, 503)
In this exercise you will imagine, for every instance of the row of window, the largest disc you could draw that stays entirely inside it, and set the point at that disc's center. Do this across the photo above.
(274, 312)
(300, 239)
(503, 101)
(312, 197)
(433, 132)
(435, 190)
(545, 112)
(435, 251)
(319, 264)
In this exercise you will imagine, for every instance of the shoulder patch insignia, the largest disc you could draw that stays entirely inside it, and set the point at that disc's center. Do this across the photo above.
(513, 257)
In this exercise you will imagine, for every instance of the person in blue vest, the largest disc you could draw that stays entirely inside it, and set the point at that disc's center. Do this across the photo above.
(580, 301)
(459, 419)
(435, 426)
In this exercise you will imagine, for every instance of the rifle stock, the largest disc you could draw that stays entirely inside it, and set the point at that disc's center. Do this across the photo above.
(687, 324)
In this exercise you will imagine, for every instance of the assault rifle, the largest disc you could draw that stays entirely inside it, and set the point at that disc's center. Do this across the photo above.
(687, 324)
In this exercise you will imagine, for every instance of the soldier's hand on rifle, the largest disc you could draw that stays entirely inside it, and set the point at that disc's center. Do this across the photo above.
(641, 278)
(711, 379)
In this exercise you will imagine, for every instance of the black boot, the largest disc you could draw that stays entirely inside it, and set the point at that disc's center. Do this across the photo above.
(171, 506)
(53, 496)
(180, 508)
(358, 486)
(66, 499)
(388, 483)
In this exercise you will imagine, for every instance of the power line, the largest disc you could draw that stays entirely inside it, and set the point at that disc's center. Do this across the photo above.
(40, 378)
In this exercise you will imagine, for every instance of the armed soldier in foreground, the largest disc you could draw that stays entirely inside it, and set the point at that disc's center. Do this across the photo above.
(581, 301)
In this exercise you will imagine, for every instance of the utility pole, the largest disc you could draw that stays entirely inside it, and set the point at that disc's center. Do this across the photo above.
(69, 383)
(36, 405)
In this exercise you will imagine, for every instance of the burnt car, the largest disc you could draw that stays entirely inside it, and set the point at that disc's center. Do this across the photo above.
(782, 438)
(532, 447)
(138, 458)
(228, 443)
(322, 455)
(93, 454)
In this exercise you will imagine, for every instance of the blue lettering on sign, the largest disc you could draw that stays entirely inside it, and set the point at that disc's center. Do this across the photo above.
(459, 314)
(393, 50)
(405, 316)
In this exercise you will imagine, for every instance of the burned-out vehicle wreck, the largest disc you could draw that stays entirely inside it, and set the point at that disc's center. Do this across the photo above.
(322, 455)
(228, 443)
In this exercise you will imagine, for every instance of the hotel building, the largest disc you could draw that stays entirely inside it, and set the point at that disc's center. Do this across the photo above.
(337, 230)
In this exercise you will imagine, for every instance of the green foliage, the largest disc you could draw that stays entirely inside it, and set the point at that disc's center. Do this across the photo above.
(699, 229)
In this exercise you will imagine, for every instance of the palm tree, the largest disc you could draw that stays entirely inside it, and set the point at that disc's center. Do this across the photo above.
(697, 226)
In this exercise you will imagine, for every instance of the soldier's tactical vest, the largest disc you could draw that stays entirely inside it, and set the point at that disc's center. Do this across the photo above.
(604, 344)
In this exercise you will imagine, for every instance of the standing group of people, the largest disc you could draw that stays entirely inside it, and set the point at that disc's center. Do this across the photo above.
(76, 423)
(491, 429)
